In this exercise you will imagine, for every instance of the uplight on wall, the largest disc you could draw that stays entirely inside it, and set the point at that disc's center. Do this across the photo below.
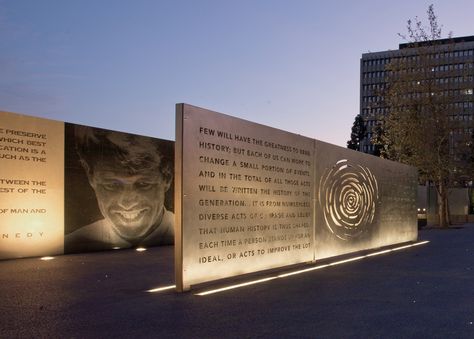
(46, 258)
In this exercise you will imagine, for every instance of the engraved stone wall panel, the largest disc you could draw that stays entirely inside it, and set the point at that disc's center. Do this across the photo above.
(363, 201)
(31, 186)
(73, 188)
(250, 197)
(117, 189)
(247, 201)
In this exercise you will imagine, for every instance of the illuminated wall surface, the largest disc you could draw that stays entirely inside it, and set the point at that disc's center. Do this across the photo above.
(362, 201)
(250, 197)
(31, 186)
(68, 188)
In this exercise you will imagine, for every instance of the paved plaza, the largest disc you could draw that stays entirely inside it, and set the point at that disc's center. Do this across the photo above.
(425, 291)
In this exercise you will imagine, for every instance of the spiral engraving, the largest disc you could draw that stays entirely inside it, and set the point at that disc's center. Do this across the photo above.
(348, 196)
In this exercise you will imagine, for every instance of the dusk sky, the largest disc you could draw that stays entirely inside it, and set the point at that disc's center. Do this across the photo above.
(123, 65)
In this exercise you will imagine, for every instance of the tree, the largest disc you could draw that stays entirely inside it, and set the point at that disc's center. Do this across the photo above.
(419, 129)
(378, 138)
(358, 132)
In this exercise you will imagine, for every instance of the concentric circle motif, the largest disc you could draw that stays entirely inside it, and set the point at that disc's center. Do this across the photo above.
(348, 196)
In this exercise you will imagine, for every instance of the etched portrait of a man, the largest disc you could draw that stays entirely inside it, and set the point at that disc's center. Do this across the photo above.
(130, 176)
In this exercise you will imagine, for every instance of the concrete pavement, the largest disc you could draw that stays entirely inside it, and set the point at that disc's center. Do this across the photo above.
(425, 291)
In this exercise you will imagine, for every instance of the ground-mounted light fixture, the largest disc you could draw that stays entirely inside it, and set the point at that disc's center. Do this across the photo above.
(309, 269)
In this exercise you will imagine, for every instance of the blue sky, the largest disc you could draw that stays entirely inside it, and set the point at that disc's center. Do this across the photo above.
(123, 65)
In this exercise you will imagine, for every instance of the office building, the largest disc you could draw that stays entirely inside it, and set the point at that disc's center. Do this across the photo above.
(451, 67)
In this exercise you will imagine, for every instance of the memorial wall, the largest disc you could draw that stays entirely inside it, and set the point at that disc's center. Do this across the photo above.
(250, 197)
(31, 186)
(247, 196)
(67, 188)
(362, 202)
